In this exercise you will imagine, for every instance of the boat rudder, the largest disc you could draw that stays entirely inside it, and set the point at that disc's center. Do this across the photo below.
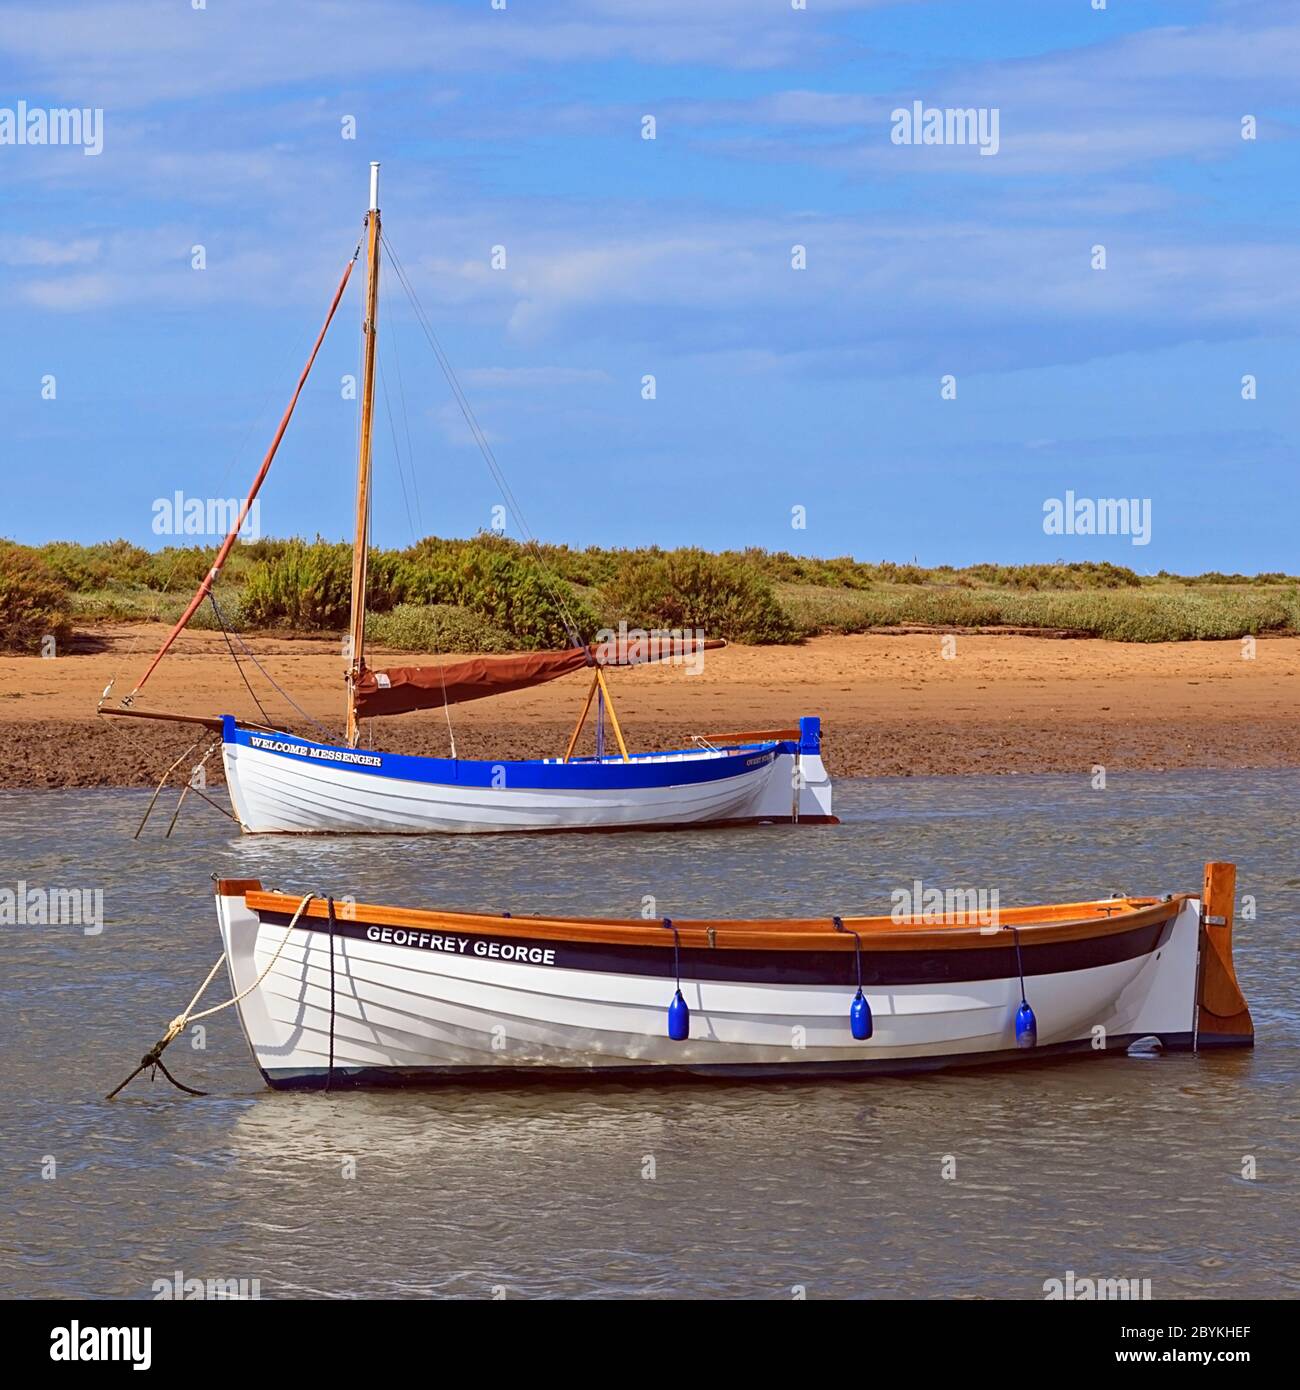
(1222, 1014)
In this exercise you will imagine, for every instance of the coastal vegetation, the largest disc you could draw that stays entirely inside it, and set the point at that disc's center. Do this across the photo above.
(35, 605)
(492, 594)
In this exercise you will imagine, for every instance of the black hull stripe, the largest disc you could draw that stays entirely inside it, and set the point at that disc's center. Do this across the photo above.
(314, 1078)
(880, 969)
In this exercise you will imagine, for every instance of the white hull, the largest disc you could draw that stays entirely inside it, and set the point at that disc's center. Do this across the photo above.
(402, 1013)
(272, 793)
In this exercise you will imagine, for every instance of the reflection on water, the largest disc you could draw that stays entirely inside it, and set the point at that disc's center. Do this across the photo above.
(1116, 1167)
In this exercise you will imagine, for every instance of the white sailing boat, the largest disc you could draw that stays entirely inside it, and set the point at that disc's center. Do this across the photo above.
(280, 781)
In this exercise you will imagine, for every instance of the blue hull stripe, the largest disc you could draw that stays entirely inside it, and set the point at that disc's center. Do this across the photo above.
(530, 774)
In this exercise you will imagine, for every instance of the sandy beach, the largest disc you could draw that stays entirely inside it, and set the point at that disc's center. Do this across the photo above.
(891, 705)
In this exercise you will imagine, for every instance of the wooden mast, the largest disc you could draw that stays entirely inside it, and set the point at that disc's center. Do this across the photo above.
(361, 544)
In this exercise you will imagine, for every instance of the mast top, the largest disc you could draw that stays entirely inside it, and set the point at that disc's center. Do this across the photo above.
(374, 185)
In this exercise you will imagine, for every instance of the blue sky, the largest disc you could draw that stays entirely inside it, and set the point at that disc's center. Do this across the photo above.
(776, 388)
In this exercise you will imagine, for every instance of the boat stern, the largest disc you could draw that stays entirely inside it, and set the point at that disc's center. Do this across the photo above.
(1222, 1014)
(799, 789)
(1187, 994)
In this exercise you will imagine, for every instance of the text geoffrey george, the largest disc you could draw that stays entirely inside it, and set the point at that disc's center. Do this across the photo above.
(462, 945)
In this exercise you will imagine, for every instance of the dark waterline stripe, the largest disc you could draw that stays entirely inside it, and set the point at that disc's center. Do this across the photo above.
(880, 969)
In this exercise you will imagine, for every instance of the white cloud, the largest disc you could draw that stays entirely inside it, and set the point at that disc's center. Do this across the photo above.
(45, 251)
(71, 293)
(125, 53)
(995, 262)
(1118, 103)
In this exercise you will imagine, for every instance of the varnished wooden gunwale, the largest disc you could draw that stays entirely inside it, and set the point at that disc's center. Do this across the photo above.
(756, 736)
(1038, 925)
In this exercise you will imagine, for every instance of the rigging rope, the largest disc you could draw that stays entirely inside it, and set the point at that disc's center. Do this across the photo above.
(209, 579)
(230, 646)
(397, 453)
(255, 423)
(252, 656)
(406, 425)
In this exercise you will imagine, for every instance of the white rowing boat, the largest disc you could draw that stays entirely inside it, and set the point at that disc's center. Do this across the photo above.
(337, 992)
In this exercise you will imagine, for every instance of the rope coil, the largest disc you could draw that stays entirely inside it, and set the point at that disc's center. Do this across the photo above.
(153, 1058)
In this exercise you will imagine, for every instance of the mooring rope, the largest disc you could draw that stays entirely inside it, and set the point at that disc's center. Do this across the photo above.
(153, 800)
(153, 1058)
(190, 786)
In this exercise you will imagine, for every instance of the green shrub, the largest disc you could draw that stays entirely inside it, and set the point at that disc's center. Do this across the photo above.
(841, 572)
(180, 568)
(1172, 615)
(587, 568)
(309, 587)
(231, 603)
(305, 587)
(1119, 615)
(1078, 574)
(264, 548)
(150, 606)
(86, 567)
(34, 602)
(503, 584)
(436, 628)
(691, 588)
(506, 591)
(121, 606)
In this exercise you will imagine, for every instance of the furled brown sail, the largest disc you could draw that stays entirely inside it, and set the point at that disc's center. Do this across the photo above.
(401, 689)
